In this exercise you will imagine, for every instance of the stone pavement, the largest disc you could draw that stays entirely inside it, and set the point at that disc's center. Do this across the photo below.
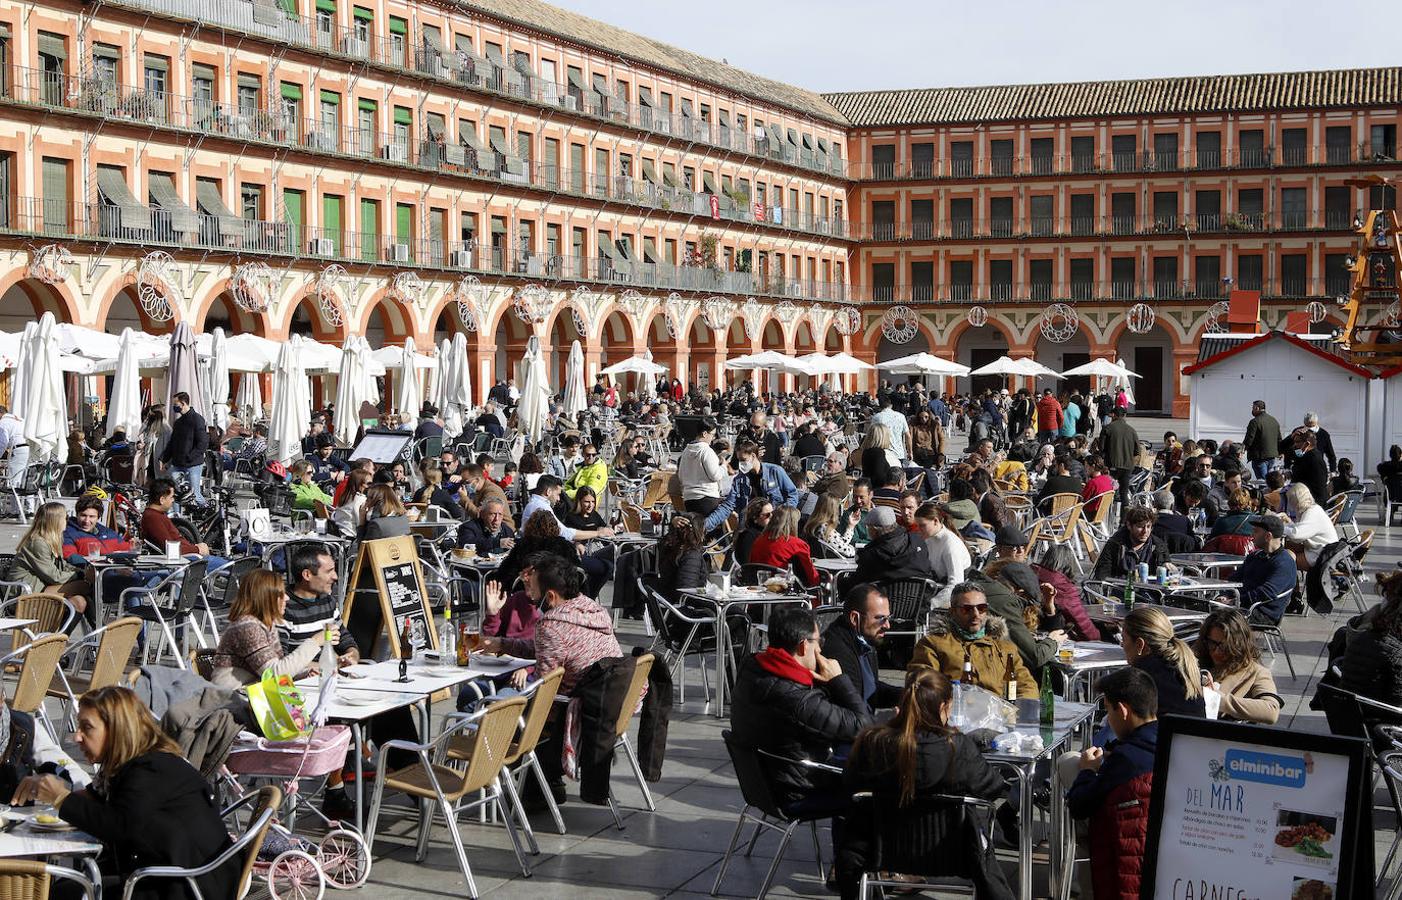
(676, 851)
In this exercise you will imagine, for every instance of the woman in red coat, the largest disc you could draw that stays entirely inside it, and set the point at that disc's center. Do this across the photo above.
(780, 546)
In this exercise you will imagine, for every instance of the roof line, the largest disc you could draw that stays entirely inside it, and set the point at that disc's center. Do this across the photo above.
(1193, 368)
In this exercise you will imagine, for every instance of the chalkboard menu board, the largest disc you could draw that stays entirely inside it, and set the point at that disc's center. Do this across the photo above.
(1246, 812)
(389, 568)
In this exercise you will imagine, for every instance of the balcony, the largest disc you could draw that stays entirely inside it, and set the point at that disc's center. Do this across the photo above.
(101, 223)
(1114, 292)
(416, 53)
(1163, 225)
(1146, 162)
(431, 153)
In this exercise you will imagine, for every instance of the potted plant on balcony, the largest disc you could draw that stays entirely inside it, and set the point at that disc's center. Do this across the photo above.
(706, 252)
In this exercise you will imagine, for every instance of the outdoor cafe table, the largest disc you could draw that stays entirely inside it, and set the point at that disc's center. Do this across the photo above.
(1089, 659)
(146, 562)
(24, 840)
(742, 597)
(1071, 719)
(834, 568)
(373, 688)
(1206, 563)
(1114, 613)
(1183, 586)
(478, 567)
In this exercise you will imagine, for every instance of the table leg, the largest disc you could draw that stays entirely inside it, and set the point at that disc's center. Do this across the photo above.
(1024, 847)
(358, 742)
(722, 648)
(1061, 843)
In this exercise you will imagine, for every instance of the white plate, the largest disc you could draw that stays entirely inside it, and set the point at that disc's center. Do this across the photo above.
(356, 699)
(486, 660)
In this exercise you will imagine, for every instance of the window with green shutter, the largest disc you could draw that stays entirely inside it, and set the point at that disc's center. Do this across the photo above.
(294, 213)
(403, 223)
(56, 194)
(369, 229)
(331, 209)
(398, 25)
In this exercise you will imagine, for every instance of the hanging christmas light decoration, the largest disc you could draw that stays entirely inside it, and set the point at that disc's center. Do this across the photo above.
(252, 286)
(635, 305)
(1393, 315)
(1318, 312)
(978, 316)
(469, 296)
(330, 284)
(407, 288)
(787, 311)
(753, 313)
(1059, 323)
(717, 313)
(1140, 318)
(581, 302)
(675, 309)
(50, 264)
(1216, 317)
(157, 282)
(848, 321)
(532, 304)
(899, 324)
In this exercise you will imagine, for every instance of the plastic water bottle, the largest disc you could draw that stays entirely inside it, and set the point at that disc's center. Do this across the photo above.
(956, 705)
(447, 642)
(328, 656)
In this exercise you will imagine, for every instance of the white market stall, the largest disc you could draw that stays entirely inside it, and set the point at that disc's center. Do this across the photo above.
(1294, 376)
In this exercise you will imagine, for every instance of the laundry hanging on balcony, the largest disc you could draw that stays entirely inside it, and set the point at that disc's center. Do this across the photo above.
(112, 188)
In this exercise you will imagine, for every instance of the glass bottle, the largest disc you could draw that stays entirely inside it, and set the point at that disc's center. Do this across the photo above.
(447, 640)
(1010, 681)
(1048, 699)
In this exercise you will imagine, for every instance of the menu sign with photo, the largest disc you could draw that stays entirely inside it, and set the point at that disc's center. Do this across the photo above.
(1242, 812)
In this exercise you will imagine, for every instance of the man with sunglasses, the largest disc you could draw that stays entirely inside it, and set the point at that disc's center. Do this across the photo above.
(851, 641)
(966, 629)
(592, 472)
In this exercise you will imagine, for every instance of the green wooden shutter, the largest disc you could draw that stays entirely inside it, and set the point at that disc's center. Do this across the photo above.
(291, 91)
(436, 248)
(398, 26)
(369, 229)
(403, 115)
(403, 223)
(293, 204)
(56, 205)
(326, 5)
(331, 97)
(361, 12)
(331, 220)
(368, 105)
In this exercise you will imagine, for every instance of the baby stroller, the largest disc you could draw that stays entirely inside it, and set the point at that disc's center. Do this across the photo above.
(294, 867)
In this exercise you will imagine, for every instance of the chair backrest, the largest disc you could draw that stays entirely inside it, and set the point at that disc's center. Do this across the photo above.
(191, 581)
(910, 597)
(202, 662)
(632, 516)
(51, 613)
(268, 800)
(231, 575)
(1334, 506)
(32, 879)
(1059, 503)
(37, 672)
(752, 777)
(1351, 500)
(491, 743)
(633, 694)
(537, 713)
(931, 836)
(114, 651)
(1101, 503)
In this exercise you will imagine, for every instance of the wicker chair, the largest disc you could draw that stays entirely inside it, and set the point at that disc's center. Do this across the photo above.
(31, 879)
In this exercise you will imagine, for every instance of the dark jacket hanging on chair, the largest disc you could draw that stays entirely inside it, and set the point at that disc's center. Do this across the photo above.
(600, 693)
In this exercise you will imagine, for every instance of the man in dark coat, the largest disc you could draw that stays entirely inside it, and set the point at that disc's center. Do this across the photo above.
(1262, 440)
(189, 439)
(894, 552)
(1323, 440)
(1307, 465)
(792, 701)
(1120, 446)
(851, 640)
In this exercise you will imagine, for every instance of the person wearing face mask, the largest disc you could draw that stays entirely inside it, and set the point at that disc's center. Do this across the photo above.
(477, 490)
(1307, 464)
(189, 439)
(1323, 441)
(753, 479)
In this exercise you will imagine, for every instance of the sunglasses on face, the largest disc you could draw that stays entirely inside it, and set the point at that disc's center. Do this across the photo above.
(1210, 644)
(880, 620)
(973, 607)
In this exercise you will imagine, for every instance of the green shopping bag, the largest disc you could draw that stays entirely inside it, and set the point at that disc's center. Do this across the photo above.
(278, 707)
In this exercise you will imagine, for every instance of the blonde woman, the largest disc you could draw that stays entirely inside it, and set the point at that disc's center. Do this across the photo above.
(306, 494)
(383, 513)
(147, 805)
(249, 644)
(1149, 645)
(880, 463)
(823, 530)
(1308, 528)
(347, 514)
(39, 562)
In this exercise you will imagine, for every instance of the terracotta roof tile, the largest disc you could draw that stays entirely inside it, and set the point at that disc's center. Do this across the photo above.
(1351, 88)
(692, 66)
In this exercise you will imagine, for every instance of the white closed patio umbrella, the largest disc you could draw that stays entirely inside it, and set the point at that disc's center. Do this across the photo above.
(292, 404)
(1123, 382)
(217, 381)
(183, 371)
(45, 421)
(409, 392)
(355, 386)
(124, 403)
(438, 393)
(460, 393)
(574, 381)
(19, 381)
(534, 404)
(250, 399)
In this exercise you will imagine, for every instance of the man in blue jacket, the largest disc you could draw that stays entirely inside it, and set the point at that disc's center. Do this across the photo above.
(1268, 574)
(753, 479)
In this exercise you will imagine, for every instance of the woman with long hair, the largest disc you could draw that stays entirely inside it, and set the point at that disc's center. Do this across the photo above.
(346, 516)
(1372, 662)
(914, 754)
(992, 508)
(39, 562)
(949, 555)
(1226, 649)
(780, 546)
(680, 560)
(147, 805)
(249, 644)
(880, 465)
(758, 512)
(1149, 645)
(383, 514)
(539, 534)
(926, 438)
(823, 530)
(151, 443)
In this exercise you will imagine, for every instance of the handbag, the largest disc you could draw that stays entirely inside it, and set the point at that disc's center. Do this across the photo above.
(278, 707)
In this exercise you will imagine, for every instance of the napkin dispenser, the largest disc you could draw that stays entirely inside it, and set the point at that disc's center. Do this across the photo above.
(720, 581)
